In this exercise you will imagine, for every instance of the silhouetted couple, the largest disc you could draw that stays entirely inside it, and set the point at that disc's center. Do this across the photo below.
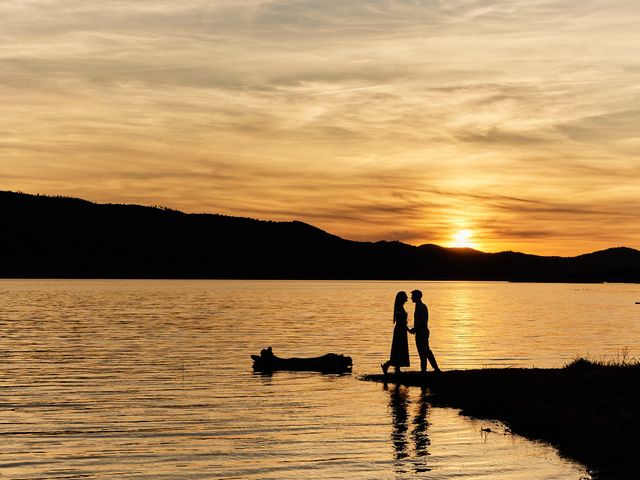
(400, 345)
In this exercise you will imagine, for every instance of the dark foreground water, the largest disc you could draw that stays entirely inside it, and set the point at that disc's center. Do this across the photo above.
(152, 379)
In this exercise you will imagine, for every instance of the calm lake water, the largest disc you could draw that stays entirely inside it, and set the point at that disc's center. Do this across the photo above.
(152, 379)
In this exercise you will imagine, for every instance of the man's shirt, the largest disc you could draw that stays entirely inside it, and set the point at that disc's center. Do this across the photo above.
(420, 318)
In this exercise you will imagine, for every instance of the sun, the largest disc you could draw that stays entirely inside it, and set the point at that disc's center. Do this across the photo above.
(463, 239)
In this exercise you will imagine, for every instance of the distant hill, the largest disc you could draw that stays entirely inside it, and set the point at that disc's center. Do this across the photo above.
(66, 237)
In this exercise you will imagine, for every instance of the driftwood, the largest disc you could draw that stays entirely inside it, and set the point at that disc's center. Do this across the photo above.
(329, 363)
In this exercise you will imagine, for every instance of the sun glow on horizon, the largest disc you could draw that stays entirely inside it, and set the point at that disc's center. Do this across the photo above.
(463, 239)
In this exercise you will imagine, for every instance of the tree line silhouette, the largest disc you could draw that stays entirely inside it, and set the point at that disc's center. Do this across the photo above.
(45, 236)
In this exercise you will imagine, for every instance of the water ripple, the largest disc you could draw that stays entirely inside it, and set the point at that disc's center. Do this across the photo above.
(152, 379)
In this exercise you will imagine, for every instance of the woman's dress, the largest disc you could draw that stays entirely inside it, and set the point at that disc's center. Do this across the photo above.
(399, 346)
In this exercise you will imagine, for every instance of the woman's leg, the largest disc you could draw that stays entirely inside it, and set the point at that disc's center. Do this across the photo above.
(385, 366)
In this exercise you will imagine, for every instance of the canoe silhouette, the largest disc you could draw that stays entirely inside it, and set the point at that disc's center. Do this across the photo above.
(267, 361)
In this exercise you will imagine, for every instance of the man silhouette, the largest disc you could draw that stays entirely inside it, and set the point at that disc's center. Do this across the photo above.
(421, 331)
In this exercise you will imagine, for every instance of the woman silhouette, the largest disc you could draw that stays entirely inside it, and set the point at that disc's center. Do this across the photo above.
(399, 346)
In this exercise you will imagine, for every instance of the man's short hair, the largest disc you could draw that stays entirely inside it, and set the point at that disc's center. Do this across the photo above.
(416, 293)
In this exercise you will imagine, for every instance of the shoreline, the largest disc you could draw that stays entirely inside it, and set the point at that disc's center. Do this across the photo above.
(590, 412)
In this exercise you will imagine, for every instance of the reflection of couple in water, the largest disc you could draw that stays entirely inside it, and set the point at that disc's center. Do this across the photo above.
(405, 429)
(400, 345)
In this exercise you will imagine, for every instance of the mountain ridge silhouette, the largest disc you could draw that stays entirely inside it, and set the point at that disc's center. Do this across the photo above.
(66, 237)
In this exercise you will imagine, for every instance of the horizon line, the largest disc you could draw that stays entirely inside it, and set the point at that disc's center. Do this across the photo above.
(169, 209)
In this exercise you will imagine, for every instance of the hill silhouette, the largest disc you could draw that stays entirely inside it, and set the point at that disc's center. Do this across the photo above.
(46, 236)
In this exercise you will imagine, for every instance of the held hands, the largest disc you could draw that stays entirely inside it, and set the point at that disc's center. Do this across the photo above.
(412, 331)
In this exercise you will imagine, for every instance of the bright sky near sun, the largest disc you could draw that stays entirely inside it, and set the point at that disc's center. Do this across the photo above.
(495, 124)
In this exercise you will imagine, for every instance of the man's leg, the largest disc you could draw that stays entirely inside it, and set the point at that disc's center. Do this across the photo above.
(432, 360)
(431, 357)
(423, 359)
(422, 352)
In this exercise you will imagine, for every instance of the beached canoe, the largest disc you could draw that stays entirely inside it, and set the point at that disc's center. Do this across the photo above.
(329, 363)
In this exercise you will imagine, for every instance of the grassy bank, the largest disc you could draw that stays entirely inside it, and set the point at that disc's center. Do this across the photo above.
(589, 410)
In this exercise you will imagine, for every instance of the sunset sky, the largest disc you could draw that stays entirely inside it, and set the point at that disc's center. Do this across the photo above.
(493, 124)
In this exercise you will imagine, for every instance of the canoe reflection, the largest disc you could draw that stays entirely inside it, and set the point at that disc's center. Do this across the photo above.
(410, 437)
